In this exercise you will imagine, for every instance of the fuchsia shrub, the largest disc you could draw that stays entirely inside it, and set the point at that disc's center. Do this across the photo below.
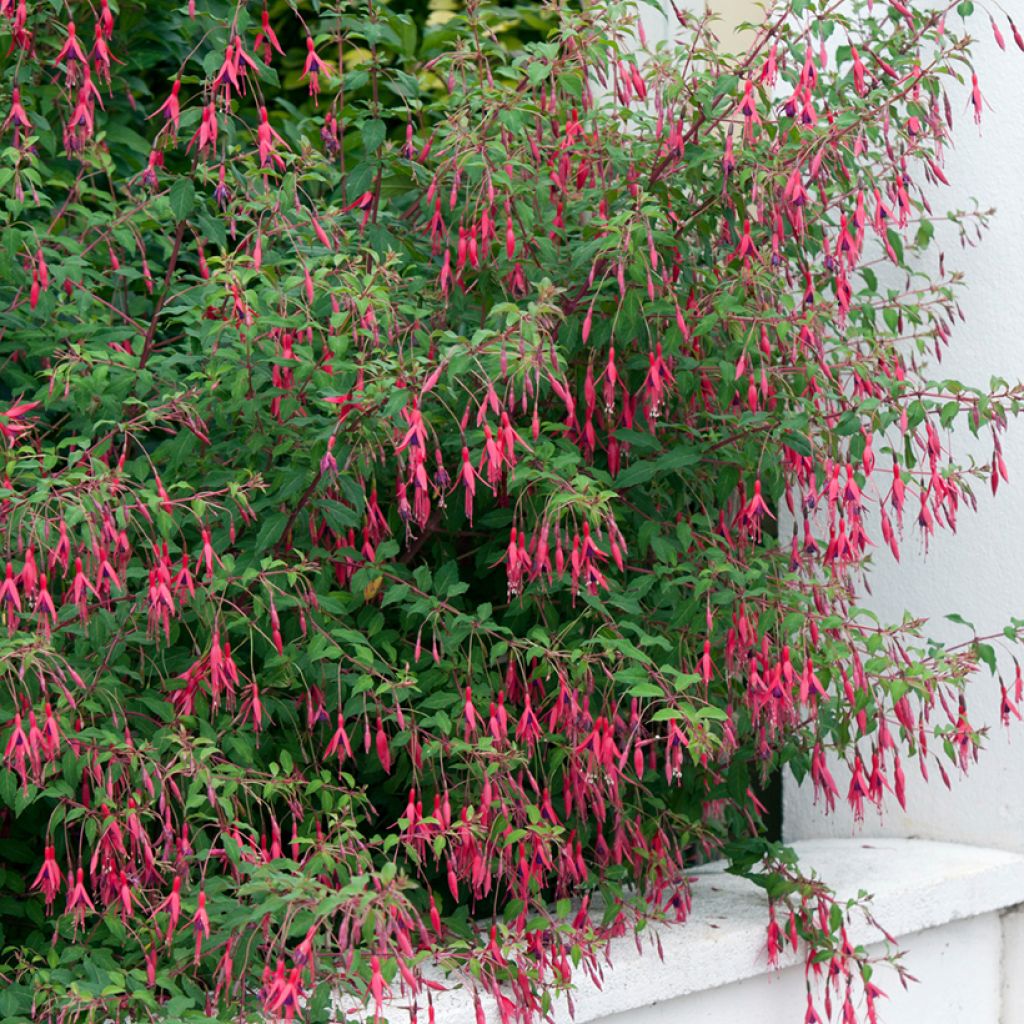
(396, 418)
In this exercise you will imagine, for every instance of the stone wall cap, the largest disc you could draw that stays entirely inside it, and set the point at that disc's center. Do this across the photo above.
(914, 884)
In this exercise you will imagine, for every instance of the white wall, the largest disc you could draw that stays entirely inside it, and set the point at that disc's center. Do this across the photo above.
(659, 25)
(957, 967)
(980, 571)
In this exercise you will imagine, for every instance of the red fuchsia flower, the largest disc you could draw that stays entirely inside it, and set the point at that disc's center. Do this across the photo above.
(124, 896)
(528, 729)
(382, 746)
(312, 69)
(493, 458)
(275, 628)
(80, 590)
(509, 440)
(659, 378)
(361, 202)
(467, 476)
(824, 784)
(10, 601)
(745, 250)
(230, 76)
(200, 924)
(345, 404)
(149, 176)
(224, 676)
(748, 108)
(1007, 706)
(754, 511)
(282, 996)
(49, 879)
(540, 560)
(976, 100)
(378, 988)
(150, 958)
(221, 193)
(728, 159)
(51, 735)
(37, 747)
(266, 38)
(318, 230)
(16, 116)
(1017, 37)
(16, 750)
(244, 61)
(183, 583)
(266, 139)
(171, 108)
(78, 901)
(29, 574)
(515, 564)
(101, 55)
(899, 782)
(12, 424)
(858, 72)
(105, 20)
(205, 136)
(775, 938)
(71, 51)
(859, 789)
(416, 434)
(160, 602)
(210, 557)
(377, 527)
(106, 576)
(46, 613)
(676, 745)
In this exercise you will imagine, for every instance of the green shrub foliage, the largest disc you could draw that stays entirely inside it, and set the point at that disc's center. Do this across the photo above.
(441, 452)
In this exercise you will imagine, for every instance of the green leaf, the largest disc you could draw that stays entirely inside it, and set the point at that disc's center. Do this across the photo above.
(182, 197)
(987, 653)
(640, 472)
(373, 132)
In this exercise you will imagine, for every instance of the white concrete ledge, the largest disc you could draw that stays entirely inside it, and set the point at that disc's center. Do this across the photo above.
(915, 885)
